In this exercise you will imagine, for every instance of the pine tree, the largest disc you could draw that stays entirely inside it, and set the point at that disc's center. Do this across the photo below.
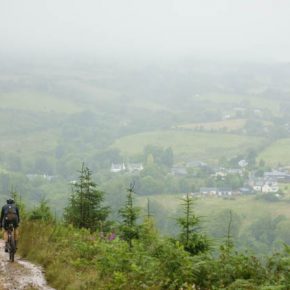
(42, 212)
(193, 241)
(85, 208)
(129, 215)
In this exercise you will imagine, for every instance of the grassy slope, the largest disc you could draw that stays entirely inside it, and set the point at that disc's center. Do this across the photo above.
(255, 101)
(230, 125)
(277, 153)
(36, 101)
(28, 123)
(30, 143)
(205, 146)
(246, 207)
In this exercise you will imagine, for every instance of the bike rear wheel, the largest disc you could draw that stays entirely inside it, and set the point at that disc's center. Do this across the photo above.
(11, 248)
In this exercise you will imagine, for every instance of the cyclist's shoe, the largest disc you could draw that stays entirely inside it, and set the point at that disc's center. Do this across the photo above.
(6, 247)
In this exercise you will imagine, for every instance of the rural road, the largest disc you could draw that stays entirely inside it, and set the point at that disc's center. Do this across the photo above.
(20, 275)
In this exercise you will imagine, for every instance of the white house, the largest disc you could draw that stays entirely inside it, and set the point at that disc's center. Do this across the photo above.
(266, 186)
(135, 167)
(208, 191)
(270, 187)
(243, 163)
(118, 167)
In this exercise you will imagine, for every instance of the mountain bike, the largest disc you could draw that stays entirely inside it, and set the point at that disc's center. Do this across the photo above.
(11, 242)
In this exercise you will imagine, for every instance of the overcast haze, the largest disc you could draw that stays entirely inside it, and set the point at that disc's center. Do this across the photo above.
(254, 29)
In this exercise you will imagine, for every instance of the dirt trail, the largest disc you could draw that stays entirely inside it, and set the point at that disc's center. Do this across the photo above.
(20, 275)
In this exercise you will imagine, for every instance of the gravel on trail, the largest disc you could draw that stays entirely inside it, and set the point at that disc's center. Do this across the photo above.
(21, 274)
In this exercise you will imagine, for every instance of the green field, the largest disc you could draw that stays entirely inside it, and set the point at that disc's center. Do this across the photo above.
(277, 153)
(206, 146)
(37, 102)
(246, 207)
(31, 143)
(230, 125)
(254, 101)
(89, 91)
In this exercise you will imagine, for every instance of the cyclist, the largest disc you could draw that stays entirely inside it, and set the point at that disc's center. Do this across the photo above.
(9, 214)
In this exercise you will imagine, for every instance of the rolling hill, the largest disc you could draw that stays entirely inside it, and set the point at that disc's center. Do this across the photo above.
(185, 144)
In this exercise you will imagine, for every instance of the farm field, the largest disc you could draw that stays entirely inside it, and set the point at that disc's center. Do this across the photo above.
(229, 125)
(277, 153)
(37, 102)
(255, 101)
(31, 143)
(206, 146)
(247, 207)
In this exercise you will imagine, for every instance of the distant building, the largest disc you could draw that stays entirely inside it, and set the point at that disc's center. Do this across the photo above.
(130, 167)
(224, 192)
(216, 191)
(246, 190)
(257, 185)
(223, 172)
(42, 176)
(115, 168)
(179, 171)
(279, 176)
(266, 186)
(270, 187)
(226, 117)
(196, 164)
(235, 171)
(135, 167)
(243, 163)
(211, 191)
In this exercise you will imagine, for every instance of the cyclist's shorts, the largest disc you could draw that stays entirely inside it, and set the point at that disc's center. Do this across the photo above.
(6, 224)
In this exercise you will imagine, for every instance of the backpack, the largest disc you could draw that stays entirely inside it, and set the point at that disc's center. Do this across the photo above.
(10, 213)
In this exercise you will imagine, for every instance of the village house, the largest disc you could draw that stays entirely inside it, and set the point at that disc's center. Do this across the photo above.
(243, 163)
(117, 167)
(130, 167)
(279, 176)
(196, 164)
(209, 191)
(235, 171)
(223, 172)
(42, 176)
(215, 191)
(179, 171)
(224, 192)
(135, 167)
(266, 186)
(246, 190)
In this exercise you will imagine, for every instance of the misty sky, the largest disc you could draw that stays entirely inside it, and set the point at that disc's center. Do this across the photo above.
(255, 29)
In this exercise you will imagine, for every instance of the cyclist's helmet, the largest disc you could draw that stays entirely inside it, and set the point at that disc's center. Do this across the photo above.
(10, 201)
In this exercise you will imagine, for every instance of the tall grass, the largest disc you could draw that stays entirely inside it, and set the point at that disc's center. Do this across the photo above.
(55, 248)
(76, 259)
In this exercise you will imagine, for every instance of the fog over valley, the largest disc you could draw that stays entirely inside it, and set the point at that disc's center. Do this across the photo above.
(175, 103)
(247, 29)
